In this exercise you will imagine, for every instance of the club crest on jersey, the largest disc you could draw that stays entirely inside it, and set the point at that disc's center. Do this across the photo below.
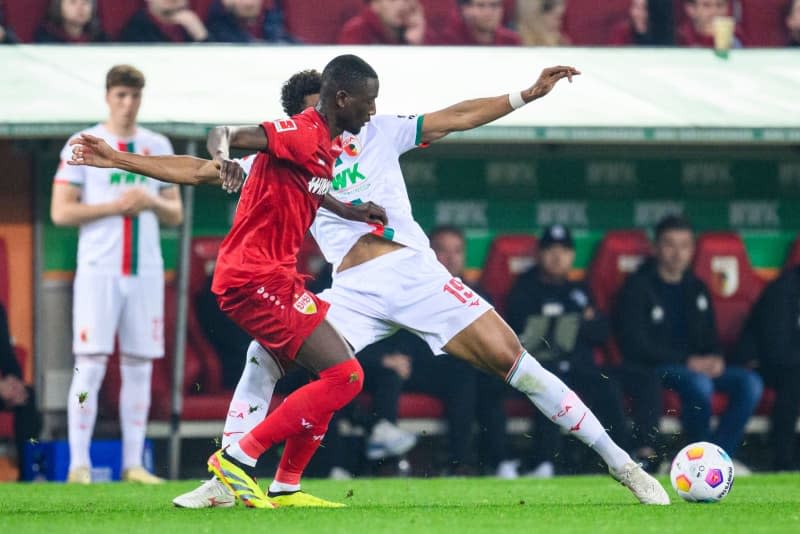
(351, 146)
(319, 186)
(305, 304)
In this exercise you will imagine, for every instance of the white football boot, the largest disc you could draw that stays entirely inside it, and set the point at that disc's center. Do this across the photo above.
(211, 494)
(646, 488)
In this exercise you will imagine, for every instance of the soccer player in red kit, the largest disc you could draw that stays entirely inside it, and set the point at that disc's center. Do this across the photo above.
(255, 279)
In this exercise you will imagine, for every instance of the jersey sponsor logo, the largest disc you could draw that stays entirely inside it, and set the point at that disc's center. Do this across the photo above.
(126, 178)
(305, 304)
(285, 125)
(347, 177)
(319, 186)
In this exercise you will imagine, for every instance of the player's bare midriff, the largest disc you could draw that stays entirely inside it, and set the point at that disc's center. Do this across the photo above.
(368, 247)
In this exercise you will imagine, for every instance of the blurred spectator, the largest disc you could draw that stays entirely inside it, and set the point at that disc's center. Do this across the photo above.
(7, 36)
(468, 395)
(477, 22)
(665, 321)
(771, 337)
(246, 21)
(15, 395)
(635, 30)
(164, 21)
(386, 22)
(793, 23)
(70, 21)
(556, 320)
(540, 22)
(698, 29)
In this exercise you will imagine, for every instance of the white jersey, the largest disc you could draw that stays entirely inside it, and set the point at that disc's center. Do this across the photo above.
(369, 170)
(117, 244)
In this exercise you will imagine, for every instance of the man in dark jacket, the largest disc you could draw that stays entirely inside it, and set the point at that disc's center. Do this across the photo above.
(246, 21)
(771, 337)
(557, 321)
(165, 21)
(665, 320)
(15, 396)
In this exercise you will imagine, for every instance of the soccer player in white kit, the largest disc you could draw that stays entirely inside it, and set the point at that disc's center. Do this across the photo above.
(387, 277)
(119, 283)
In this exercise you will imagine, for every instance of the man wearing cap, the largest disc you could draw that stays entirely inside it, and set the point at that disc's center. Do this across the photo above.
(556, 319)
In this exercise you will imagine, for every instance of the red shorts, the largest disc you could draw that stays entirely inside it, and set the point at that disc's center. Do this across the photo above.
(277, 312)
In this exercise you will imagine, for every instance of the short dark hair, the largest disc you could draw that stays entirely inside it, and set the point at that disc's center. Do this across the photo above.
(297, 88)
(446, 229)
(345, 72)
(54, 16)
(672, 222)
(125, 76)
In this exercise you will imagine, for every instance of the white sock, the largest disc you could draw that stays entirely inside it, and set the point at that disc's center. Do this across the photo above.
(280, 487)
(559, 403)
(82, 406)
(253, 394)
(134, 407)
(236, 452)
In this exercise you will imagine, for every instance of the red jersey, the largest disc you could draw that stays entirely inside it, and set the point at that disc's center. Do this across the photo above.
(279, 201)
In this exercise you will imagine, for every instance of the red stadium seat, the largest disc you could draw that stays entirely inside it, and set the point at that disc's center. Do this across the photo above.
(721, 262)
(618, 254)
(587, 24)
(764, 22)
(508, 256)
(114, 15)
(794, 253)
(306, 21)
(24, 16)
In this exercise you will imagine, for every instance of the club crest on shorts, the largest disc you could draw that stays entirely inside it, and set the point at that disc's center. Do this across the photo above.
(305, 304)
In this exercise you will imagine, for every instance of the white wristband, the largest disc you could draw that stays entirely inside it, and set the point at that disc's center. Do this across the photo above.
(515, 100)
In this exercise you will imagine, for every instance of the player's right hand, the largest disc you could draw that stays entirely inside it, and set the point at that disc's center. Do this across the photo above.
(90, 150)
(231, 174)
(134, 201)
(368, 212)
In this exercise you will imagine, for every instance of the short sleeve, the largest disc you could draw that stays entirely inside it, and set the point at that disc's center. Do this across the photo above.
(292, 139)
(69, 174)
(405, 131)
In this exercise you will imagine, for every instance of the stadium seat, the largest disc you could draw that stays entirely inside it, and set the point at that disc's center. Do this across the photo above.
(618, 254)
(764, 22)
(793, 258)
(114, 15)
(310, 24)
(721, 262)
(438, 13)
(24, 16)
(508, 256)
(586, 24)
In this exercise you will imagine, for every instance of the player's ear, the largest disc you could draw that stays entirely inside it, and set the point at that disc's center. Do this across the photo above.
(341, 98)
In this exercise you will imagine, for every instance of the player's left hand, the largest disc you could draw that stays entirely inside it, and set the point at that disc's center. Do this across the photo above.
(231, 174)
(93, 151)
(368, 212)
(547, 80)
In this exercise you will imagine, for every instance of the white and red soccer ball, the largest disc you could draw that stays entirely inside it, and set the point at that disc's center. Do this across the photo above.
(702, 472)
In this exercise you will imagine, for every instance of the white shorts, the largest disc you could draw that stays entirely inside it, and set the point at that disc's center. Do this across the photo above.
(105, 305)
(407, 289)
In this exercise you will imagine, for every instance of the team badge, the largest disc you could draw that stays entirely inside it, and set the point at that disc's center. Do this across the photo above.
(305, 304)
(725, 270)
(351, 146)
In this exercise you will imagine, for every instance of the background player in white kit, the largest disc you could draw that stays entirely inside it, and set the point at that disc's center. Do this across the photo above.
(387, 277)
(119, 283)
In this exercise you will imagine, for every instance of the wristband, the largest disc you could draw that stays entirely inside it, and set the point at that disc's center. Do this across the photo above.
(515, 100)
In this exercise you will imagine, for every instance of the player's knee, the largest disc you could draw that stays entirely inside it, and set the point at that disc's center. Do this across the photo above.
(348, 381)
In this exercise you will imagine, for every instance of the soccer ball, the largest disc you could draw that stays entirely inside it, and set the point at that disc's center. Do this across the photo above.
(702, 472)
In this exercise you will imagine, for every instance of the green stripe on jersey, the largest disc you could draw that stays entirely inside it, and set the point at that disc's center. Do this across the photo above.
(418, 139)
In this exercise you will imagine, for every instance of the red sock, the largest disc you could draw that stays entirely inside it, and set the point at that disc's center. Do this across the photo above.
(306, 412)
(297, 453)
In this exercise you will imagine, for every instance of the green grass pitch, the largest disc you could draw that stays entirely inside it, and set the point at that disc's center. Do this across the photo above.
(765, 503)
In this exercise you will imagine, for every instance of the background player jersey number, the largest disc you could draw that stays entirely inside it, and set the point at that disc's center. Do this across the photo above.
(456, 288)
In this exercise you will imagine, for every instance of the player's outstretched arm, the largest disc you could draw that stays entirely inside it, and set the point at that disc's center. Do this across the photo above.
(186, 170)
(219, 143)
(470, 114)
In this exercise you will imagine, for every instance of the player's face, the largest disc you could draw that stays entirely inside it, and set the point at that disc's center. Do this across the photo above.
(357, 106)
(702, 12)
(556, 261)
(450, 252)
(393, 13)
(123, 104)
(674, 251)
(247, 9)
(483, 15)
(76, 11)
